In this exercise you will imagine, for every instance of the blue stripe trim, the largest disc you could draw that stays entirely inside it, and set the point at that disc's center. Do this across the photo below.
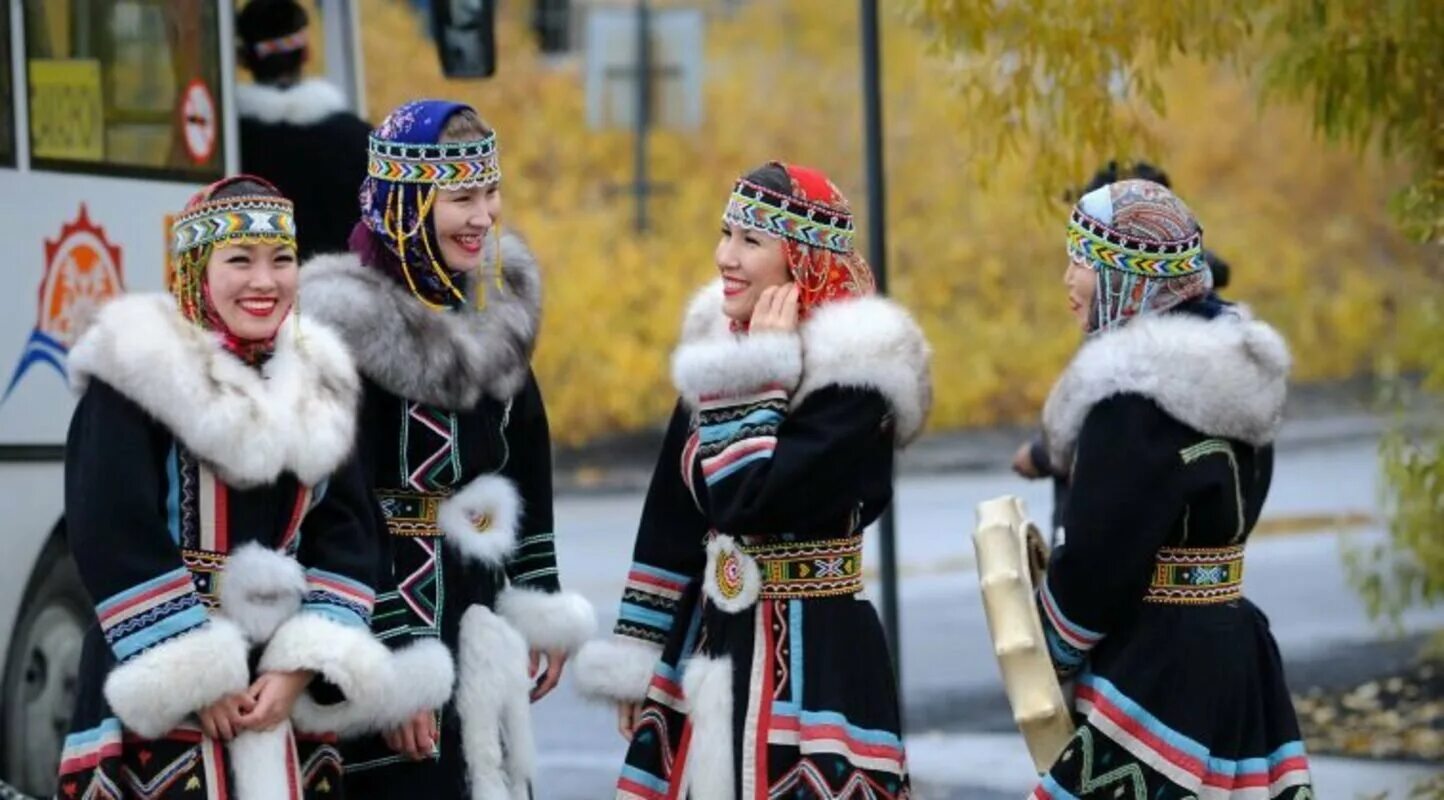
(760, 455)
(172, 494)
(1222, 766)
(119, 598)
(810, 718)
(168, 628)
(647, 779)
(354, 585)
(342, 614)
(1087, 637)
(722, 431)
(795, 647)
(646, 616)
(658, 572)
(108, 729)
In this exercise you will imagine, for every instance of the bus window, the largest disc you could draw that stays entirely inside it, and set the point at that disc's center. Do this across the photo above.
(7, 95)
(125, 87)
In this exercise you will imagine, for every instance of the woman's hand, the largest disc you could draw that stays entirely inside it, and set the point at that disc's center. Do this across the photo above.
(556, 661)
(628, 714)
(273, 695)
(221, 720)
(414, 738)
(776, 310)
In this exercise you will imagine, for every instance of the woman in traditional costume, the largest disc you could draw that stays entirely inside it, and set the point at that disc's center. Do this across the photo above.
(1165, 420)
(744, 661)
(220, 525)
(441, 309)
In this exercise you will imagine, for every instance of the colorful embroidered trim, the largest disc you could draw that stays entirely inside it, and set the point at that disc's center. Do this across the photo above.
(761, 209)
(649, 603)
(1196, 575)
(336, 596)
(734, 432)
(449, 165)
(150, 613)
(411, 513)
(248, 220)
(1102, 247)
(289, 43)
(794, 570)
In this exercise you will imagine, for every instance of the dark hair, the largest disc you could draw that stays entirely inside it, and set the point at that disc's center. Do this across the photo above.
(245, 187)
(1219, 268)
(1112, 172)
(261, 20)
(771, 175)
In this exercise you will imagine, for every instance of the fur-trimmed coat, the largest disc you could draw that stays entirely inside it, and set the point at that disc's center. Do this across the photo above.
(222, 528)
(306, 141)
(1166, 426)
(777, 438)
(455, 442)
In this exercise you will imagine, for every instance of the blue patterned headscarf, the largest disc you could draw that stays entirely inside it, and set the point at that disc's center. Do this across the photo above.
(401, 183)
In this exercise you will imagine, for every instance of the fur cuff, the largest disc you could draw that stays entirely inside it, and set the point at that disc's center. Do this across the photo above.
(707, 687)
(616, 669)
(260, 589)
(548, 620)
(264, 764)
(345, 655)
(153, 692)
(420, 676)
(493, 700)
(732, 365)
(480, 521)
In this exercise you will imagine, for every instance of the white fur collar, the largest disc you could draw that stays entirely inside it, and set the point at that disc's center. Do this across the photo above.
(446, 359)
(1224, 377)
(296, 414)
(305, 103)
(869, 342)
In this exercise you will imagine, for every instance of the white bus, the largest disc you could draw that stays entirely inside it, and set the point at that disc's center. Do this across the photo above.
(112, 113)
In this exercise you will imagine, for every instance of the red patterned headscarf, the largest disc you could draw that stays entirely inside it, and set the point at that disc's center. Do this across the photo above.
(815, 224)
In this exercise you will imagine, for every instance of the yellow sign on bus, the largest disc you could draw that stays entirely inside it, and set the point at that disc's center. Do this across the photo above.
(67, 112)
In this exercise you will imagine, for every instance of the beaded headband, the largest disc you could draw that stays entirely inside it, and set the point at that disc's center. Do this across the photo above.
(449, 165)
(1101, 246)
(248, 220)
(761, 209)
(289, 43)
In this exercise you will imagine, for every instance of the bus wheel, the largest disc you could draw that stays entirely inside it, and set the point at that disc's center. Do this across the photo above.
(41, 671)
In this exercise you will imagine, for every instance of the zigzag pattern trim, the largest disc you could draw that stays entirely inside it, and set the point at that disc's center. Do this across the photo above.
(269, 220)
(758, 209)
(450, 165)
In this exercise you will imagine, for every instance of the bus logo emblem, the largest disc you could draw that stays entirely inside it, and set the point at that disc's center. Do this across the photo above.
(82, 271)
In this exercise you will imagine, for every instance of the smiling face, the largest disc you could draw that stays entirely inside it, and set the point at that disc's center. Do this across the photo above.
(749, 262)
(462, 218)
(1081, 283)
(252, 287)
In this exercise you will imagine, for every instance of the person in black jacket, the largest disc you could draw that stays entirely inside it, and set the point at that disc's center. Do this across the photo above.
(298, 133)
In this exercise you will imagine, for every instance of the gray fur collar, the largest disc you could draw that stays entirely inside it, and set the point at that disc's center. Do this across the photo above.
(305, 103)
(869, 342)
(296, 414)
(445, 359)
(1225, 377)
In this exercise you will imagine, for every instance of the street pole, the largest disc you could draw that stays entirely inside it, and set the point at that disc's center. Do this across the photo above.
(877, 256)
(644, 111)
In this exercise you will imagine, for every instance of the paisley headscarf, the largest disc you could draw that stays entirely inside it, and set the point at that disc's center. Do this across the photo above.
(208, 222)
(407, 166)
(815, 224)
(1146, 247)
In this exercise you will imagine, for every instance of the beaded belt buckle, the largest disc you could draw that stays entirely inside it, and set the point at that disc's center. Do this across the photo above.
(1196, 575)
(411, 514)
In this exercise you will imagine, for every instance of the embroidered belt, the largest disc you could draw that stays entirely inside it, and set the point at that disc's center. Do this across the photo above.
(1196, 575)
(738, 574)
(411, 514)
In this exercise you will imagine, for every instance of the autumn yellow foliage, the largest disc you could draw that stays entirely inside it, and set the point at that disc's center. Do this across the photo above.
(1303, 224)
